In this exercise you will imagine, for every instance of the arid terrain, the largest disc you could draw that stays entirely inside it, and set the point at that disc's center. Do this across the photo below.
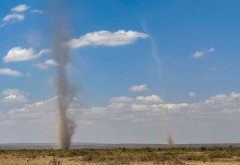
(142, 156)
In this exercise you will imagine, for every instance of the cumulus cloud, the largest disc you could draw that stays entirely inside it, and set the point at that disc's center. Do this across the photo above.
(119, 108)
(139, 107)
(10, 72)
(201, 53)
(127, 114)
(138, 88)
(121, 99)
(149, 99)
(17, 54)
(13, 96)
(13, 17)
(106, 38)
(48, 63)
(16, 14)
(37, 11)
(133, 108)
(220, 103)
(20, 8)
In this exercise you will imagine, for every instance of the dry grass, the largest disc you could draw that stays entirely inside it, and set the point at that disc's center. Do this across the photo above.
(144, 156)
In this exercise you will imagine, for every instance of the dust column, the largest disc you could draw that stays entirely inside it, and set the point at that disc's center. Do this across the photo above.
(59, 19)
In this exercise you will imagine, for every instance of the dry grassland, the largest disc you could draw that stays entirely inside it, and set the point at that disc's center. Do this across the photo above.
(143, 156)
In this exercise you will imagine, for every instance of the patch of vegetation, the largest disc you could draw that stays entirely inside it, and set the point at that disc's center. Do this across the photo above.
(176, 155)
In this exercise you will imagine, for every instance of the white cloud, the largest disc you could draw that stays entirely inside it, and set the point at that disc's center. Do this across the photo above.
(37, 11)
(20, 54)
(13, 17)
(17, 54)
(48, 63)
(221, 103)
(119, 108)
(132, 108)
(149, 99)
(201, 53)
(13, 96)
(198, 54)
(20, 8)
(10, 72)
(127, 114)
(106, 38)
(192, 94)
(120, 99)
(16, 14)
(139, 107)
(172, 106)
(138, 88)
(44, 51)
(149, 103)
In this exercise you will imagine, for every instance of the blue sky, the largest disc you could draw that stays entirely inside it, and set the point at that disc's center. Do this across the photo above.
(177, 70)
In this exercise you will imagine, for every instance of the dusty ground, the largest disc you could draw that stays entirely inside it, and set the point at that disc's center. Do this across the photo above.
(17, 160)
(144, 156)
(213, 163)
(75, 161)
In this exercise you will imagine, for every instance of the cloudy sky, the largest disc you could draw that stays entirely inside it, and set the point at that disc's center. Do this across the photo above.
(139, 69)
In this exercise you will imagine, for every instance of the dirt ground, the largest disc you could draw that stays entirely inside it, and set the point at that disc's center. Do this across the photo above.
(126, 156)
(213, 163)
(49, 160)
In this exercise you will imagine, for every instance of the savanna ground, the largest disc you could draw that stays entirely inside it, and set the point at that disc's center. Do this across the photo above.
(133, 156)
